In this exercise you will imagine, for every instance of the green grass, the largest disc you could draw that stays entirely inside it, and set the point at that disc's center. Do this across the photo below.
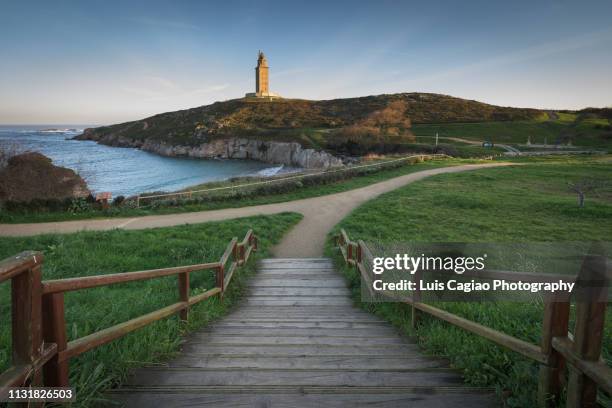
(586, 133)
(87, 311)
(524, 203)
(233, 202)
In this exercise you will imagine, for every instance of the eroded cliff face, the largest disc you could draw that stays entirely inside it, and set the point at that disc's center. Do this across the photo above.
(289, 154)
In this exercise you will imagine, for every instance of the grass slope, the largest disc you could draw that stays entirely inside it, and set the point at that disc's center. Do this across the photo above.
(584, 132)
(524, 203)
(93, 253)
(279, 118)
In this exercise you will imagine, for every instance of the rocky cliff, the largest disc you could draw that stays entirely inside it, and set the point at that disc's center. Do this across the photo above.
(290, 154)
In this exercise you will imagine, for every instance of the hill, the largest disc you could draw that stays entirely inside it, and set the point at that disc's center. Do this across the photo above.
(316, 124)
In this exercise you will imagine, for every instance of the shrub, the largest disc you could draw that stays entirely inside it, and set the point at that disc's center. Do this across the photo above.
(118, 200)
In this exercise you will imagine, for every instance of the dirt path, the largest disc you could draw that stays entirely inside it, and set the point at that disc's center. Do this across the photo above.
(305, 240)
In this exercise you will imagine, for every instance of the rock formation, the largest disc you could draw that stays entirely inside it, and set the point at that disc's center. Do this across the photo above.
(30, 176)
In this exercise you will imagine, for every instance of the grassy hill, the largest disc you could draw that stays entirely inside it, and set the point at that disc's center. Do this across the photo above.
(311, 123)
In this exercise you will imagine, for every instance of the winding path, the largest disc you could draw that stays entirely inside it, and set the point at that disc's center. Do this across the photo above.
(305, 240)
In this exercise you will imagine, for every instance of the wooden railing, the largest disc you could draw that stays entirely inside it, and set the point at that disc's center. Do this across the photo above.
(40, 350)
(580, 351)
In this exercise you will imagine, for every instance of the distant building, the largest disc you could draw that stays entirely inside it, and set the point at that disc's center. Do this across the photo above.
(262, 80)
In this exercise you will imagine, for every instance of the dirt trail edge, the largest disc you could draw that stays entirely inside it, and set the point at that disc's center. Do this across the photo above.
(306, 239)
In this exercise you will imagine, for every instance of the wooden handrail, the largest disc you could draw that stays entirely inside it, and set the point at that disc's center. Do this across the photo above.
(87, 282)
(587, 371)
(30, 293)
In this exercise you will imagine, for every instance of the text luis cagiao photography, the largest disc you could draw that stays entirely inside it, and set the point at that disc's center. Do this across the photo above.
(305, 204)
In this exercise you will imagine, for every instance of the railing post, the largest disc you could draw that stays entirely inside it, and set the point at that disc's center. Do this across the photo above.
(26, 319)
(183, 287)
(591, 306)
(54, 331)
(220, 278)
(254, 242)
(349, 252)
(555, 324)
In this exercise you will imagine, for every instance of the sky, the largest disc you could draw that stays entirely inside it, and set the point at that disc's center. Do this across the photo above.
(103, 62)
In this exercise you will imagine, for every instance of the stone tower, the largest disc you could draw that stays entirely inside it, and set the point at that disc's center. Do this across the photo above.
(262, 87)
(262, 82)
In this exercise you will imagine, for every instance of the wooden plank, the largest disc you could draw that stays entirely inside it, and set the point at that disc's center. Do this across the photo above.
(183, 288)
(301, 324)
(522, 347)
(85, 282)
(301, 340)
(229, 274)
(353, 378)
(228, 251)
(26, 320)
(555, 323)
(19, 263)
(591, 307)
(597, 370)
(54, 331)
(303, 301)
(400, 350)
(292, 332)
(104, 336)
(306, 283)
(310, 362)
(300, 291)
(232, 398)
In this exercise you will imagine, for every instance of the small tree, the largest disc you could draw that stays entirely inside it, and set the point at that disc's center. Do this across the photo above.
(584, 186)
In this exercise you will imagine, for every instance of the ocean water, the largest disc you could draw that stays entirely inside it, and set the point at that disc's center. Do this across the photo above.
(125, 171)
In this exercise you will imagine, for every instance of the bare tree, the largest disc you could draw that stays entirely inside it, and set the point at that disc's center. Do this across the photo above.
(584, 186)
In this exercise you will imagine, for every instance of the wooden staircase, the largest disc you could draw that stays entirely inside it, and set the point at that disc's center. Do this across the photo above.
(297, 341)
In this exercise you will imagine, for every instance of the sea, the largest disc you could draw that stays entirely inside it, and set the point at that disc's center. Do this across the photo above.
(125, 171)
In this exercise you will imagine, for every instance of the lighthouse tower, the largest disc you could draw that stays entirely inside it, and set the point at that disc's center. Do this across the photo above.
(262, 80)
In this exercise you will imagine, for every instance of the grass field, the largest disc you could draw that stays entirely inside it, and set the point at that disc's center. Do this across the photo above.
(290, 192)
(93, 253)
(525, 203)
(590, 133)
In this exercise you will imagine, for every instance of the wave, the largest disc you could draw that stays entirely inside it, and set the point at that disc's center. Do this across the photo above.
(270, 171)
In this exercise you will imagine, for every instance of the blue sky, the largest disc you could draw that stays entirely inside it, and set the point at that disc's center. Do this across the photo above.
(102, 62)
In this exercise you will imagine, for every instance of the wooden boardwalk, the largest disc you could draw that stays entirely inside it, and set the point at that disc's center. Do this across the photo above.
(297, 341)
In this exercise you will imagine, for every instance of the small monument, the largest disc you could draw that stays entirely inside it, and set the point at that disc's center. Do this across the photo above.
(262, 81)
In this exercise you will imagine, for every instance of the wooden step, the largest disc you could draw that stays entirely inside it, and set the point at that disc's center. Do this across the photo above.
(349, 378)
(288, 350)
(425, 398)
(309, 362)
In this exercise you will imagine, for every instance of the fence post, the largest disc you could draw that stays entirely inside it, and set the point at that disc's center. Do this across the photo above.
(349, 252)
(591, 306)
(183, 287)
(555, 324)
(54, 330)
(26, 319)
(220, 278)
